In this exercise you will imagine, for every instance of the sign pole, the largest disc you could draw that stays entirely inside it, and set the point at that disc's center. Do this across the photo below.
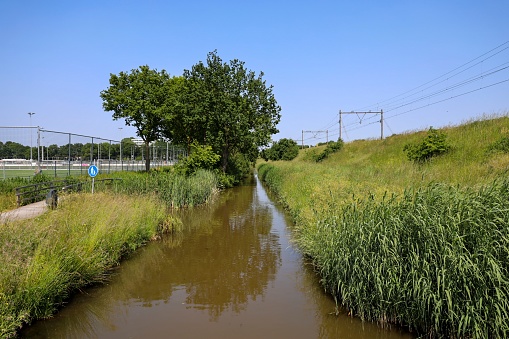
(93, 171)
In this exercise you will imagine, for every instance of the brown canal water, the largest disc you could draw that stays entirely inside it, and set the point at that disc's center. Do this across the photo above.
(232, 273)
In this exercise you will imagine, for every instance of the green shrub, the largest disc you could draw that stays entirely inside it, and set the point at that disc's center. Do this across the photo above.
(501, 145)
(201, 157)
(9, 185)
(225, 180)
(332, 147)
(433, 145)
(238, 168)
(284, 149)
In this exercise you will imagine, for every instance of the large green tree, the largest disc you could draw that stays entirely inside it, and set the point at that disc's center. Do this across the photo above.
(140, 98)
(223, 105)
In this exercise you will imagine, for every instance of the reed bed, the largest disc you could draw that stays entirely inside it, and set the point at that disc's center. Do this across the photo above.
(46, 259)
(435, 260)
(173, 189)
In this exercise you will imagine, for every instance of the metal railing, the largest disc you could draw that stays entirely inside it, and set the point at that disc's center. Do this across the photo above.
(36, 192)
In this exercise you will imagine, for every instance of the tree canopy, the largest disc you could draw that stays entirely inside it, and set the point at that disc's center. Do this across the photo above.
(226, 106)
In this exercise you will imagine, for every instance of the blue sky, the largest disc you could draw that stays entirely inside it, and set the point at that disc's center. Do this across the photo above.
(320, 56)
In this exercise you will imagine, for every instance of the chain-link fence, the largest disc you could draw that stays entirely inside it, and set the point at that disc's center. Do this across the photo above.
(25, 151)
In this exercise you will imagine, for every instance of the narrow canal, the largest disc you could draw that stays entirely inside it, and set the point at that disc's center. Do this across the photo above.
(233, 273)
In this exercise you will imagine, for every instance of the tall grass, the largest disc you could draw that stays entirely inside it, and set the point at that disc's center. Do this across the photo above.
(174, 189)
(421, 245)
(8, 191)
(435, 259)
(46, 259)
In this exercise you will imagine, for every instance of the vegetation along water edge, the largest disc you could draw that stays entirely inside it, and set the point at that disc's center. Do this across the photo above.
(46, 259)
(410, 230)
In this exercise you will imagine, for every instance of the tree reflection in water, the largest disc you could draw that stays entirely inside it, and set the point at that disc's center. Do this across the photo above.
(226, 256)
(233, 260)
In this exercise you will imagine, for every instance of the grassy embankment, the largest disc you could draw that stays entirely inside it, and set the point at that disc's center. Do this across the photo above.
(421, 245)
(44, 260)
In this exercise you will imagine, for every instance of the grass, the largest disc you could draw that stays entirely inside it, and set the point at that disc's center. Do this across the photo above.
(423, 246)
(8, 192)
(175, 190)
(367, 167)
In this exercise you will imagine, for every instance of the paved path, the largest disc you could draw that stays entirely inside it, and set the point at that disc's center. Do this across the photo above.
(24, 212)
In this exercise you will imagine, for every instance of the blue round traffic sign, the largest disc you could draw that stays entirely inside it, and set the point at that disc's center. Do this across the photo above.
(93, 170)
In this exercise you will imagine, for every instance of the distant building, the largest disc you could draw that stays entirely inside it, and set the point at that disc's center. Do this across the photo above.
(138, 141)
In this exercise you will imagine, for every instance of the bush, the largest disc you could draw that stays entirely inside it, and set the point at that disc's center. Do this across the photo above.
(332, 147)
(433, 145)
(238, 168)
(201, 157)
(501, 145)
(284, 149)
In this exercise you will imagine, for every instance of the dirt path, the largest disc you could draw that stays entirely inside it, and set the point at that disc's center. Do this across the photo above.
(24, 212)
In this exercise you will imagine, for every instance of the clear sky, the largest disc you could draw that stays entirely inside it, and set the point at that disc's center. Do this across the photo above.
(405, 57)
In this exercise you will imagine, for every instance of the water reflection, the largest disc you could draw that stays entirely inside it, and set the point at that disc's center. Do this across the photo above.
(225, 272)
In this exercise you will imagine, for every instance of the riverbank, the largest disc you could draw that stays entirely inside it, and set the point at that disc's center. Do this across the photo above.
(44, 260)
(423, 245)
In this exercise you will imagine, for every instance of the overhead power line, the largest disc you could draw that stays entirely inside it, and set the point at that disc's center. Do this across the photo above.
(421, 93)
(452, 87)
(488, 54)
(450, 98)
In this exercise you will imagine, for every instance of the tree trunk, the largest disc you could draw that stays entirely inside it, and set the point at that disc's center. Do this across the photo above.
(147, 156)
(224, 158)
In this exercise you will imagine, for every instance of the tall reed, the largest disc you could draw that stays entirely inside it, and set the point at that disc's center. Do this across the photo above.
(435, 260)
(174, 189)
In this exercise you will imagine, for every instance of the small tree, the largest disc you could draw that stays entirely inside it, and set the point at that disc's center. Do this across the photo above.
(139, 97)
(433, 145)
